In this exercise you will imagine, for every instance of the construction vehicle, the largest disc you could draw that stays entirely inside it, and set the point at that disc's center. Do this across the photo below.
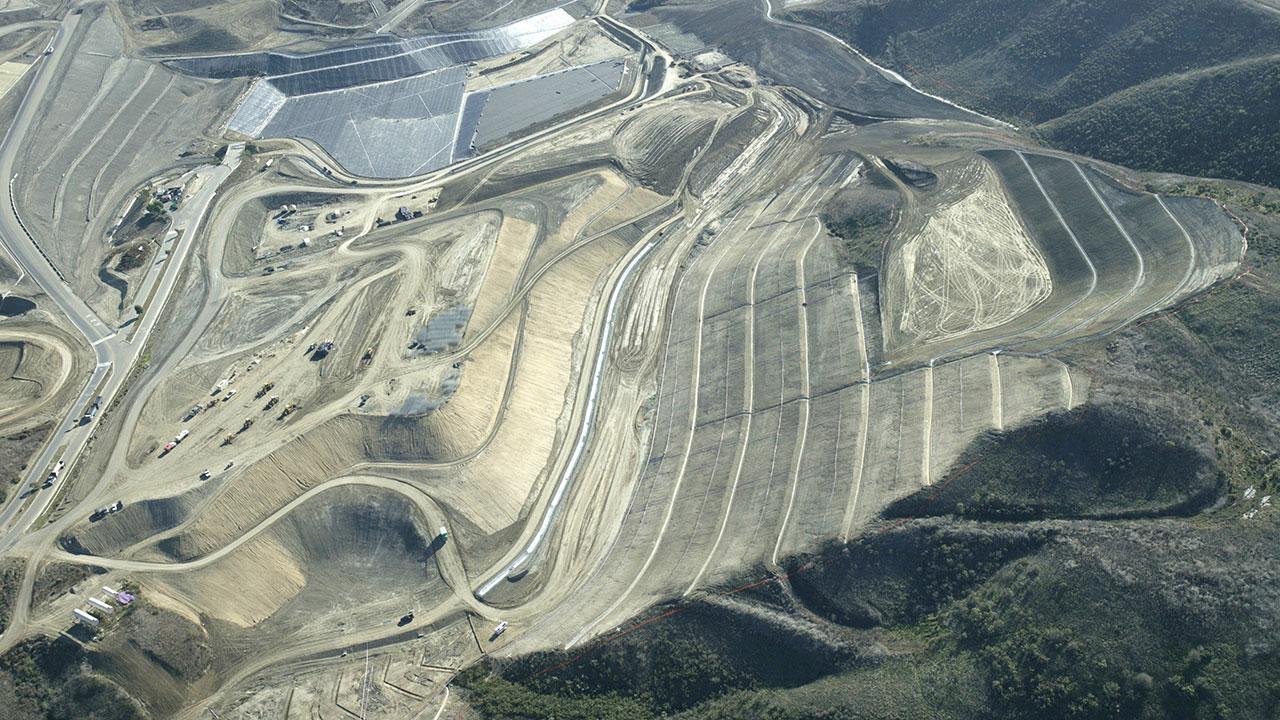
(263, 390)
(91, 412)
(230, 438)
(405, 620)
(322, 350)
(205, 474)
(248, 423)
(53, 474)
(271, 403)
(176, 439)
(288, 410)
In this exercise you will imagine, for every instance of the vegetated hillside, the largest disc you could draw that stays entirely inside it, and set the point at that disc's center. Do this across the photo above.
(48, 679)
(999, 598)
(862, 216)
(950, 620)
(1094, 461)
(1033, 61)
(1219, 122)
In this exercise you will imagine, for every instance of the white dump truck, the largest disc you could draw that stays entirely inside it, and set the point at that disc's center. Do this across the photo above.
(53, 474)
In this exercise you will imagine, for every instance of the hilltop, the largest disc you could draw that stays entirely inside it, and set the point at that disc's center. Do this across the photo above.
(1183, 86)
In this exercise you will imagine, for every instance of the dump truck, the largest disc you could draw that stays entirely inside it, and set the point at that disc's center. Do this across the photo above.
(53, 474)
(91, 412)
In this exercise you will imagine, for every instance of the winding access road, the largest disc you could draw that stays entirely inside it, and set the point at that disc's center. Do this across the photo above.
(113, 355)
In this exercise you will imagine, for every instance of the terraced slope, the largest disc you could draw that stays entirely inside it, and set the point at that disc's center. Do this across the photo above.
(618, 363)
(115, 124)
(769, 434)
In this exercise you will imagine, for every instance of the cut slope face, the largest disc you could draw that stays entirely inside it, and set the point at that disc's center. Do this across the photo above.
(972, 267)
(348, 548)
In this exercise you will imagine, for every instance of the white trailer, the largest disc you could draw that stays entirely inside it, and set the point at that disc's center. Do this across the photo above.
(86, 618)
(104, 607)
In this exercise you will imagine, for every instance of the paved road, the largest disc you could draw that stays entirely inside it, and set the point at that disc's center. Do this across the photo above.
(113, 356)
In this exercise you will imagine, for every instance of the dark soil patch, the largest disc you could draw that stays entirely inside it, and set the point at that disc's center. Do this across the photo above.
(12, 306)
